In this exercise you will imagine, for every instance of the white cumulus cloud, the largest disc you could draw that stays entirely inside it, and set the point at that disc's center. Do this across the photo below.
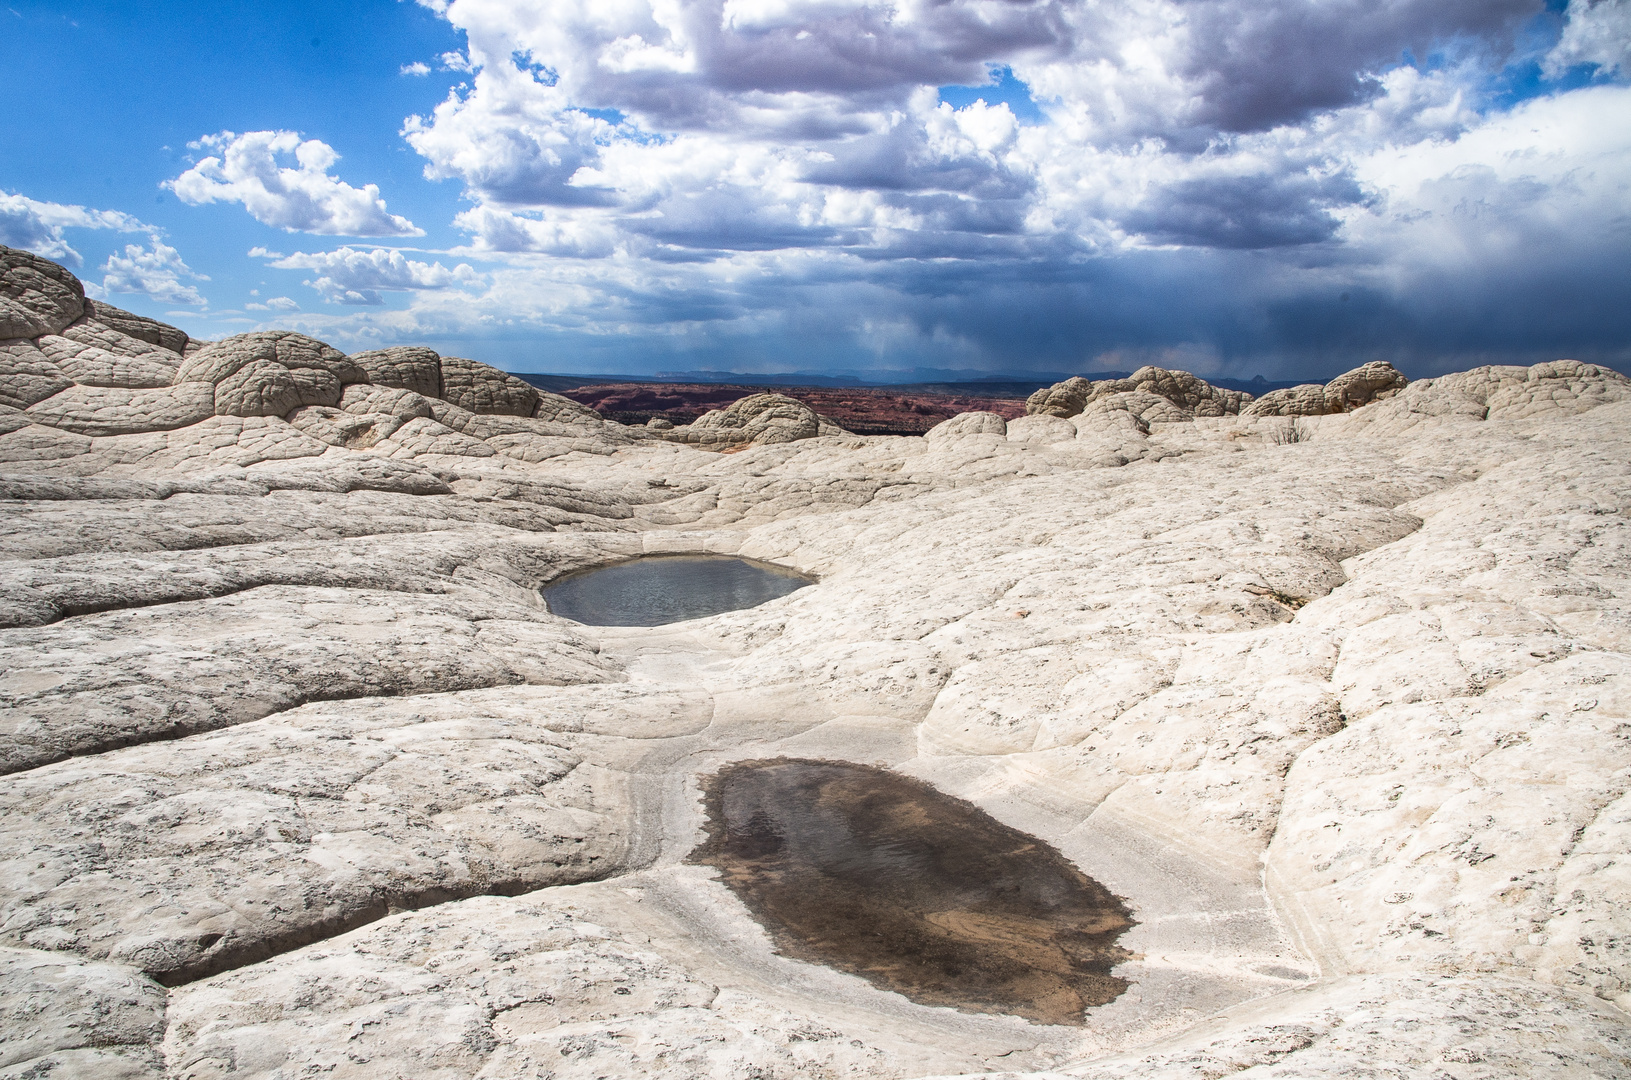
(666, 127)
(1598, 32)
(349, 276)
(159, 273)
(37, 226)
(276, 303)
(252, 169)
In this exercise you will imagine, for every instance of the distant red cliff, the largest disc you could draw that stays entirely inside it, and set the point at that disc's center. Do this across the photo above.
(863, 410)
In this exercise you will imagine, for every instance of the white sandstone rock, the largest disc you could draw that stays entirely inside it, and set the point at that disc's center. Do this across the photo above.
(138, 326)
(93, 332)
(756, 420)
(1336, 700)
(27, 375)
(116, 410)
(405, 367)
(59, 1008)
(36, 295)
(91, 365)
(1183, 395)
(483, 389)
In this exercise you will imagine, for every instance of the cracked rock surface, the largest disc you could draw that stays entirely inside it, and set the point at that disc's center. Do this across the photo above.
(301, 776)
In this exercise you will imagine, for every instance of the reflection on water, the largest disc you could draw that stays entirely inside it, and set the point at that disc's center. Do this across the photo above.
(881, 875)
(662, 589)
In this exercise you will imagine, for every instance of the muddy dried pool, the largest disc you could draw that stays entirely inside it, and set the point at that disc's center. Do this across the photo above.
(881, 875)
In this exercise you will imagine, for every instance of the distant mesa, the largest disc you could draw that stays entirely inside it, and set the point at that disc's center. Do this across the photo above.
(863, 410)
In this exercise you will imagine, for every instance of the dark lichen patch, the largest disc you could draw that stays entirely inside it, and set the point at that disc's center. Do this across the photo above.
(659, 589)
(881, 875)
(1295, 603)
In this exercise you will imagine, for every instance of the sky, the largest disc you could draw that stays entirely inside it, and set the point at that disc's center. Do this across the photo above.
(878, 188)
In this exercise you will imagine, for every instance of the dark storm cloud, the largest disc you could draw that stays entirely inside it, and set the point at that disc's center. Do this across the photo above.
(864, 55)
(1203, 181)
(1262, 211)
(1222, 313)
(715, 222)
(1259, 64)
(899, 160)
(866, 50)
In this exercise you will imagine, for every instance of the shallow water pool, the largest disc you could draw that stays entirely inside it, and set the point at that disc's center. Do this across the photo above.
(659, 589)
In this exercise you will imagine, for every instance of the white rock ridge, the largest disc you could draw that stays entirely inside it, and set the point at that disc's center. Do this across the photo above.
(302, 777)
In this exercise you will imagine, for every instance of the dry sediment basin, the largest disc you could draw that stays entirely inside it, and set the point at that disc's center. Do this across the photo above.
(658, 589)
(881, 875)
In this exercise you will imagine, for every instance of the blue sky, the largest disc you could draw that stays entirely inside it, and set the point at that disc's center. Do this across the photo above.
(1236, 187)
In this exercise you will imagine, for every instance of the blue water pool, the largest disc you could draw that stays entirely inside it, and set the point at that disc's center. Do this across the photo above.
(659, 589)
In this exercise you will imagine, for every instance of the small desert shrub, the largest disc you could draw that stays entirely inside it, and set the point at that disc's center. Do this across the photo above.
(1294, 432)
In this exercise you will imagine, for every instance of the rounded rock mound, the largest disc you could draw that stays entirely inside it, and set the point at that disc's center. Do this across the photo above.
(969, 423)
(270, 373)
(139, 327)
(1351, 390)
(36, 295)
(406, 367)
(1182, 396)
(756, 420)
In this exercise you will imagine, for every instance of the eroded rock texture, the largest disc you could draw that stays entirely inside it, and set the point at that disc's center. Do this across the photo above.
(36, 295)
(1361, 386)
(1173, 395)
(756, 420)
(301, 776)
(138, 326)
